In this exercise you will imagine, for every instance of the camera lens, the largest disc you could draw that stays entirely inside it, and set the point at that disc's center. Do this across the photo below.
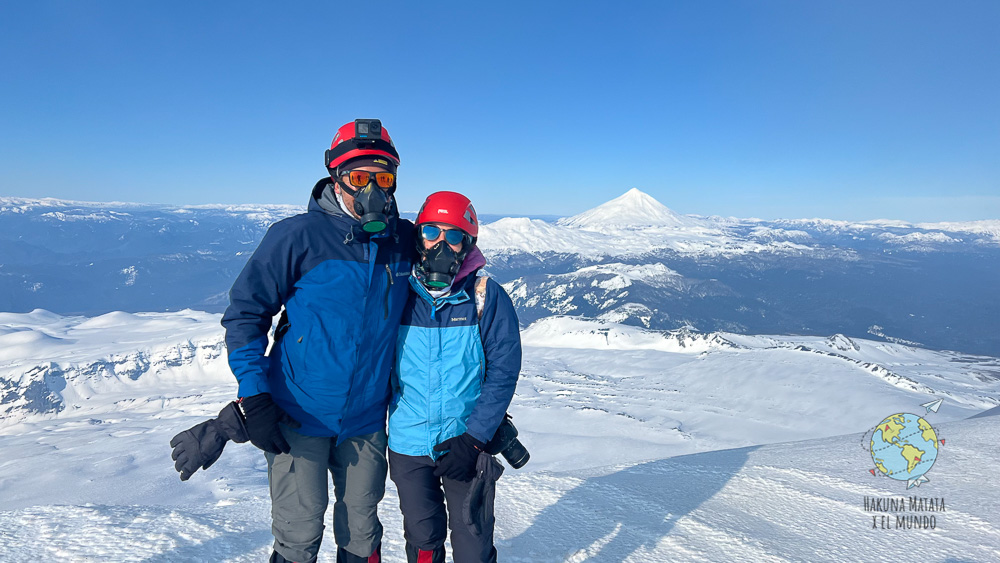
(505, 442)
(516, 454)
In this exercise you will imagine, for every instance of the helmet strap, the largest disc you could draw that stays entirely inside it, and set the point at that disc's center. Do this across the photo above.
(350, 191)
(337, 175)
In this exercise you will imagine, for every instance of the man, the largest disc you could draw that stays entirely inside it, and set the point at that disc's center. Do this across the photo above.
(458, 356)
(317, 402)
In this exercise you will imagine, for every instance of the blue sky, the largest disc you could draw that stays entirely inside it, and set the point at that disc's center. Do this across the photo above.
(773, 109)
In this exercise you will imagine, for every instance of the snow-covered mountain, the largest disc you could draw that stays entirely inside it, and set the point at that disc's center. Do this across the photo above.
(646, 446)
(635, 224)
(635, 261)
(632, 210)
(630, 260)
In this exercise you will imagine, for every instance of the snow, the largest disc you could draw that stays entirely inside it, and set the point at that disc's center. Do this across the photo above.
(79, 339)
(771, 234)
(101, 212)
(646, 446)
(100, 217)
(633, 209)
(656, 275)
(628, 311)
(919, 238)
(535, 236)
(785, 502)
(633, 224)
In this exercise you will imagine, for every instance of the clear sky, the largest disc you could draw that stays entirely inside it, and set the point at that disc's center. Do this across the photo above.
(771, 109)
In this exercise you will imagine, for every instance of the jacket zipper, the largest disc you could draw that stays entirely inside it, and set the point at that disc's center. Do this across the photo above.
(388, 289)
(366, 253)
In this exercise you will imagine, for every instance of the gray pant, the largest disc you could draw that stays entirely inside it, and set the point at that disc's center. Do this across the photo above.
(299, 494)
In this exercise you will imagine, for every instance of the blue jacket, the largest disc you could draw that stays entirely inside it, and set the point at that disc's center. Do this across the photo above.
(343, 291)
(454, 372)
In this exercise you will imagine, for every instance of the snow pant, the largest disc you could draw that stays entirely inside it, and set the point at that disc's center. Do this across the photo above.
(299, 494)
(425, 518)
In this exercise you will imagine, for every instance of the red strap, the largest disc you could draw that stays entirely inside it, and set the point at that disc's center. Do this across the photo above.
(424, 556)
(374, 558)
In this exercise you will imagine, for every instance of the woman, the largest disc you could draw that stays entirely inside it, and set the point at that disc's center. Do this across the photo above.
(456, 368)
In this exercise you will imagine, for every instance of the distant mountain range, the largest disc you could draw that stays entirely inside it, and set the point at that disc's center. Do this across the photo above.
(631, 260)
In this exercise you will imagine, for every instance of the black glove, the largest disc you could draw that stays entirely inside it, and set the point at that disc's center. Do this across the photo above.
(477, 508)
(460, 461)
(263, 417)
(200, 446)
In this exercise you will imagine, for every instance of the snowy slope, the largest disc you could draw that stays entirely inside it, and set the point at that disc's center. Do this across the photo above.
(800, 501)
(49, 363)
(646, 446)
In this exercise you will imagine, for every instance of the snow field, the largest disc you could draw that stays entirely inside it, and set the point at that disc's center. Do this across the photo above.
(646, 446)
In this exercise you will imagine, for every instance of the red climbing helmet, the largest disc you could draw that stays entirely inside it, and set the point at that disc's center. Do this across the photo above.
(450, 208)
(361, 137)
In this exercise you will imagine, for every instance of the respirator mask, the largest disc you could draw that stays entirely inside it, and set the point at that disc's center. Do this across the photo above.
(439, 264)
(372, 193)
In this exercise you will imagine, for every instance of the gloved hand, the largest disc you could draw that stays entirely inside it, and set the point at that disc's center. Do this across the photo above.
(263, 417)
(200, 446)
(460, 461)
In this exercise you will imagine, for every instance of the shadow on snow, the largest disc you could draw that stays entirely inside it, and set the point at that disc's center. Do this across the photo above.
(608, 518)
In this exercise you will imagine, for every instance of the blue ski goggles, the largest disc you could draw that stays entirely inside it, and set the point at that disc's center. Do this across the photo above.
(432, 233)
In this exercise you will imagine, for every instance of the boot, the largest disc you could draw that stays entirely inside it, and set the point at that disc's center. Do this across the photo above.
(344, 556)
(414, 555)
(277, 558)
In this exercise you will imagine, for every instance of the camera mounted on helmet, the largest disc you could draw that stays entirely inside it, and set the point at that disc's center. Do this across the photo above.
(363, 137)
(368, 128)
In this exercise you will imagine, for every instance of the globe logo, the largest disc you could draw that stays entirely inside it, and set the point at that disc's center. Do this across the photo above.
(904, 447)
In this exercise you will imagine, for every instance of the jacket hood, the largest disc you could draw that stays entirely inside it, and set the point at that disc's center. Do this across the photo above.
(317, 193)
(473, 261)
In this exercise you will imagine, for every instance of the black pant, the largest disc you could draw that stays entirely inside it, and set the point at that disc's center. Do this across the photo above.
(425, 520)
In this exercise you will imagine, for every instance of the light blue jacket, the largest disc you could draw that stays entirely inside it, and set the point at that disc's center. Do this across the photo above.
(454, 372)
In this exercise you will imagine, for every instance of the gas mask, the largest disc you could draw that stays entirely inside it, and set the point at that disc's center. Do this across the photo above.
(374, 207)
(372, 193)
(438, 264)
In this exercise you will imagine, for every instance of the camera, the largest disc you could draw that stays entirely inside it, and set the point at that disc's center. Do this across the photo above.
(505, 442)
(367, 129)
